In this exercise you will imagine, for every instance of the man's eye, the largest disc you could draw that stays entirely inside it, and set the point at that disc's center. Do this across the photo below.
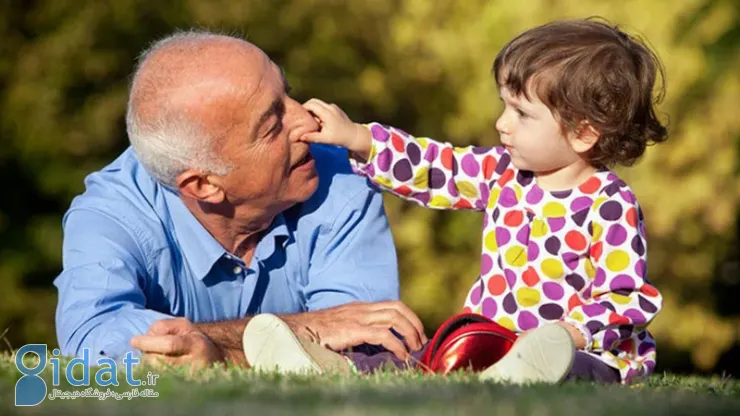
(275, 128)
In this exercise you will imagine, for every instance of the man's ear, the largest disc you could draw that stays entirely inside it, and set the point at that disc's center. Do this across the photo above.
(199, 186)
(584, 138)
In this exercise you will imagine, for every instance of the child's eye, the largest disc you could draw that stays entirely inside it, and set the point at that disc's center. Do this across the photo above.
(521, 113)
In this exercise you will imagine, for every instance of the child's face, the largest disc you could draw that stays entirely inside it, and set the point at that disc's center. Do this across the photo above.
(532, 135)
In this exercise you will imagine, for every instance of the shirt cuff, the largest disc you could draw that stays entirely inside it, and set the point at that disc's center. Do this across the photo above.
(116, 348)
(361, 167)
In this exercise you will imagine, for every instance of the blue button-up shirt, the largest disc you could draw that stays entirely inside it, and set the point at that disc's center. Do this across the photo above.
(133, 254)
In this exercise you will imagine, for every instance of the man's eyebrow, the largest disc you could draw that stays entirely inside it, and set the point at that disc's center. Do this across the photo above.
(276, 108)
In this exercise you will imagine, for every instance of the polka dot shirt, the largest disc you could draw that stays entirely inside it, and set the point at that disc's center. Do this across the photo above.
(577, 255)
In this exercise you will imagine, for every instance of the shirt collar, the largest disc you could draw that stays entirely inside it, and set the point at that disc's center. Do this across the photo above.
(278, 231)
(201, 250)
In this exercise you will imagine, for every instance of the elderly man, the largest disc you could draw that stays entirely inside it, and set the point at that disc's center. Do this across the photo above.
(219, 212)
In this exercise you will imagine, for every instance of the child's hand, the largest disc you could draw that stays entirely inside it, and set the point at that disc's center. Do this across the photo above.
(338, 129)
(578, 340)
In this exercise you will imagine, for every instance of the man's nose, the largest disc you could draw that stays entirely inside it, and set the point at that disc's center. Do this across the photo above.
(298, 120)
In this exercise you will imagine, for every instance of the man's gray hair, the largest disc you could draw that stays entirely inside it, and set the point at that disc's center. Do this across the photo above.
(168, 142)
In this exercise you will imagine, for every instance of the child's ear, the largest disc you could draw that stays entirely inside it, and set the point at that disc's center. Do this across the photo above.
(584, 138)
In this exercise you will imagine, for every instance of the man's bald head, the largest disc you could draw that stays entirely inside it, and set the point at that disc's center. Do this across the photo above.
(181, 100)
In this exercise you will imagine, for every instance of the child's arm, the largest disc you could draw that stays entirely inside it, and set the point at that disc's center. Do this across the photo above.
(429, 173)
(618, 302)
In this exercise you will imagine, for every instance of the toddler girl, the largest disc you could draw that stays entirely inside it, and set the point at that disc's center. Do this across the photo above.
(564, 242)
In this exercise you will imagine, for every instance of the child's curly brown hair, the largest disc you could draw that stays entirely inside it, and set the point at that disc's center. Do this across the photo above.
(587, 70)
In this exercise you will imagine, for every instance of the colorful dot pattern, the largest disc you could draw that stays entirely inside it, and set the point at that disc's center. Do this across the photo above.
(577, 255)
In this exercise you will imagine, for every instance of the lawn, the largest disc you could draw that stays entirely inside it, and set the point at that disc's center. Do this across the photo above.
(224, 391)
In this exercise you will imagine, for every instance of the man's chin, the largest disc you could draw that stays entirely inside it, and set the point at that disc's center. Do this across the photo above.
(307, 186)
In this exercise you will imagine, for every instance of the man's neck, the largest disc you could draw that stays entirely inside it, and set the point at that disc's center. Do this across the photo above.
(237, 232)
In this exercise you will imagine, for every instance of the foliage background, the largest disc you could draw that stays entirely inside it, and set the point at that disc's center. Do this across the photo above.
(422, 65)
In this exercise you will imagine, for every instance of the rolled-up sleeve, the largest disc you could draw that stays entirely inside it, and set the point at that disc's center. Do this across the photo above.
(101, 303)
(354, 259)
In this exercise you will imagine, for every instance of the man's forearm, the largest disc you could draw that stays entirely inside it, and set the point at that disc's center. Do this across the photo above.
(227, 335)
(302, 325)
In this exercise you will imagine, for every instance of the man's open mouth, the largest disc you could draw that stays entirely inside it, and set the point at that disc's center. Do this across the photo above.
(303, 161)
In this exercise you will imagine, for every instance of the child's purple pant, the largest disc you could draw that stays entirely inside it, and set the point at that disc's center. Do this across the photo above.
(585, 367)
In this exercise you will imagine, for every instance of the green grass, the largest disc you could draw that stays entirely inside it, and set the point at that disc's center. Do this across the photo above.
(224, 391)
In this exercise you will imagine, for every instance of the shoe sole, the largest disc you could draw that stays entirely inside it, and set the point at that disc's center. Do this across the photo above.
(545, 355)
(271, 346)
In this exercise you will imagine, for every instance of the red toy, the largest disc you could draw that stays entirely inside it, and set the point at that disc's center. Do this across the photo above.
(466, 341)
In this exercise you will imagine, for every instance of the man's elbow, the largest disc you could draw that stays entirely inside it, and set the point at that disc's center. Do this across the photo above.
(74, 337)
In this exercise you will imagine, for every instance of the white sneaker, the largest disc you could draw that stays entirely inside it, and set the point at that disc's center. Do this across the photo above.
(270, 345)
(545, 355)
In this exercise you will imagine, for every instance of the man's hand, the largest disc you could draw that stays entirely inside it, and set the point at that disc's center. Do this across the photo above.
(358, 323)
(177, 342)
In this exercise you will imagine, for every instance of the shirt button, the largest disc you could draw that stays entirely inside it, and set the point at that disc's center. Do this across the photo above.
(237, 270)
